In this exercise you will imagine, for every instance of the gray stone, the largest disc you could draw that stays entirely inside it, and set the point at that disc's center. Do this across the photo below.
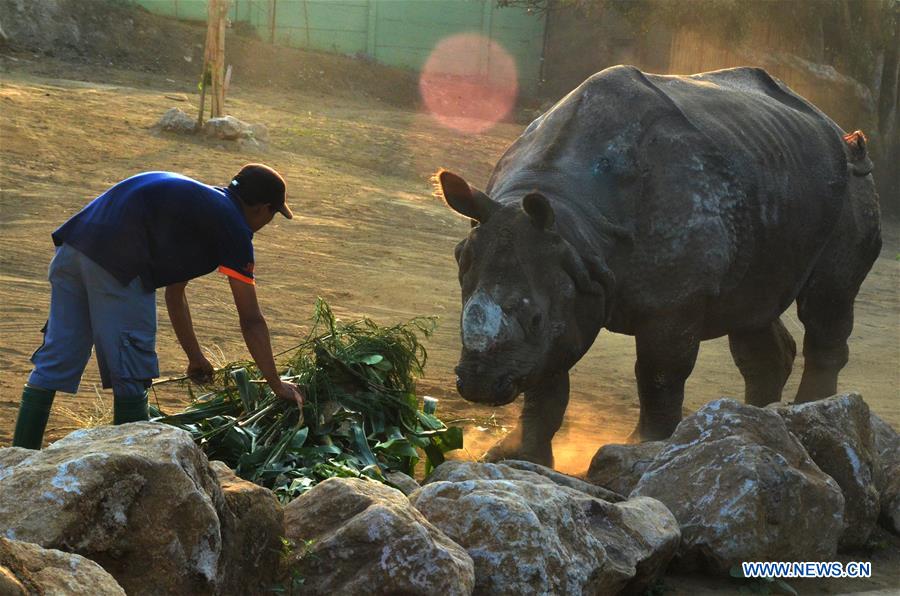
(366, 538)
(228, 128)
(174, 120)
(566, 480)
(252, 526)
(139, 499)
(619, 467)
(837, 434)
(403, 482)
(887, 472)
(26, 568)
(11, 456)
(457, 471)
(743, 488)
(537, 537)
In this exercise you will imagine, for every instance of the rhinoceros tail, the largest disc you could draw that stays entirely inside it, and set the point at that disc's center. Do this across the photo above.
(857, 155)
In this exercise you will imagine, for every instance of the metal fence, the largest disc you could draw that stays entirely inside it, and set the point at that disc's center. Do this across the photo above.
(395, 32)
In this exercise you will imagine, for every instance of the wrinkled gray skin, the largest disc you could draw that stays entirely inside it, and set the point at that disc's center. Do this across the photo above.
(673, 209)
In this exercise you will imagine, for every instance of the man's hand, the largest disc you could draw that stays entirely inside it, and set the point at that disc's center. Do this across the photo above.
(200, 370)
(290, 392)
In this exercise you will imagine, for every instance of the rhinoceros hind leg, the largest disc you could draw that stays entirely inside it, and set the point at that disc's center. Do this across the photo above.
(825, 350)
(825, 306)
(664, 362)
(765, 357)
(542, 415)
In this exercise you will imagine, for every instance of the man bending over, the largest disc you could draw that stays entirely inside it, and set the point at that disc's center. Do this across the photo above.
(153, 230)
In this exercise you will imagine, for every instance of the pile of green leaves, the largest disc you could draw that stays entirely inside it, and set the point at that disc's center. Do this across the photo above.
(361, 417)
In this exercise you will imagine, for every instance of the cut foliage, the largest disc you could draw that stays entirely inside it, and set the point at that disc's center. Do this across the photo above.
(361, 417)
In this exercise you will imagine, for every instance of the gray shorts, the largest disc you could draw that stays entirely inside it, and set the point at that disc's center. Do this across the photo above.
(91, 308)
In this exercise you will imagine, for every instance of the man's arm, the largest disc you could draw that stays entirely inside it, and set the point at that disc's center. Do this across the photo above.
(256, 336)
(199, 367)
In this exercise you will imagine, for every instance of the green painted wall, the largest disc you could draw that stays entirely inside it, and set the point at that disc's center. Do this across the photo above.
(395, 32)
(189, 10)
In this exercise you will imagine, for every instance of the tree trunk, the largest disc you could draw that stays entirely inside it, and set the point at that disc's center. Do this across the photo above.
(214, 56)
(888, 148)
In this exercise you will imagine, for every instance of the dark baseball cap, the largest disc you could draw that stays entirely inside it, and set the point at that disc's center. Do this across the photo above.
(259, 184)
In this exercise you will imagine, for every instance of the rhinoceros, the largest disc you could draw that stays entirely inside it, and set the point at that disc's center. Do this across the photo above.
(674, 209)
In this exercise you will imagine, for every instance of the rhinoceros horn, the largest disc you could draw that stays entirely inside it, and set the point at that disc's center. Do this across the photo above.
(463, 198)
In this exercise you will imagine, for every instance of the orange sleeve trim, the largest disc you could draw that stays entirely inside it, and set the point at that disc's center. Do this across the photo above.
(236, 275)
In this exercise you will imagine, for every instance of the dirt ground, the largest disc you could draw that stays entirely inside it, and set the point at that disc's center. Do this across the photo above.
(367, 236)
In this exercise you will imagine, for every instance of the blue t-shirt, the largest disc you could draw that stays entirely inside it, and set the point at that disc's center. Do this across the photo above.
(164, 228)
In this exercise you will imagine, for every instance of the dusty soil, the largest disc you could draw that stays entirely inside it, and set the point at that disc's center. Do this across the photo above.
(368, 237)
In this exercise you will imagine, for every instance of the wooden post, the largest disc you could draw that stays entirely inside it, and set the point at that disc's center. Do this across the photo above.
(272, 8)
(214, 59)
(371, 30)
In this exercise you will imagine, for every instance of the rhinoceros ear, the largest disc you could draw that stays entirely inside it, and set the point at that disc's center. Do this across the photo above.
(462, 198)
(538, 207)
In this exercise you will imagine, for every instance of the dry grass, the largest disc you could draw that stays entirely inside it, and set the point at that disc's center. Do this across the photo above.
(96, 412)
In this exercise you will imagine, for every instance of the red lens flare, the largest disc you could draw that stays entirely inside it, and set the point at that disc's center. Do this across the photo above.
(469, 82)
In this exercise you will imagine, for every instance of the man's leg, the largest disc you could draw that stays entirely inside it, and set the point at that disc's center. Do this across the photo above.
(124, 324)
(60, 361)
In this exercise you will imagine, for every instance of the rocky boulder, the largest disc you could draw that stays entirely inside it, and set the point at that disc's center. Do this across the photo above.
(228, 128)
(402, 482)
(619, 467)
(365, 537)
(139, 499)
(175, 120)
(743, 488)
(252, 525)
(886, 443)
(837, 434)
(10, 456)
(526, 471)
(28, 569)
(533, 536)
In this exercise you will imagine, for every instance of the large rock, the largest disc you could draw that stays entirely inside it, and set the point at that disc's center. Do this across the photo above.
(403, 482)
(837, 434)
(175, 120)
(619, 467)
(744, 489)
(887, 472)
(252, 526)
(28, 569)
(139, 499)
(368, 539)
(526, 471)
(530, 536)
(565, 480)
(10, 456)
(227, 127)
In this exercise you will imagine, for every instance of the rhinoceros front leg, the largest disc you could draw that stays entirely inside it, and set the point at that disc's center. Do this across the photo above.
(542, 415)
(665, 359)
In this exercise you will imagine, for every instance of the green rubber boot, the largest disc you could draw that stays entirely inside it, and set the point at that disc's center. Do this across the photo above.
(33, 415)
(130, 408)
